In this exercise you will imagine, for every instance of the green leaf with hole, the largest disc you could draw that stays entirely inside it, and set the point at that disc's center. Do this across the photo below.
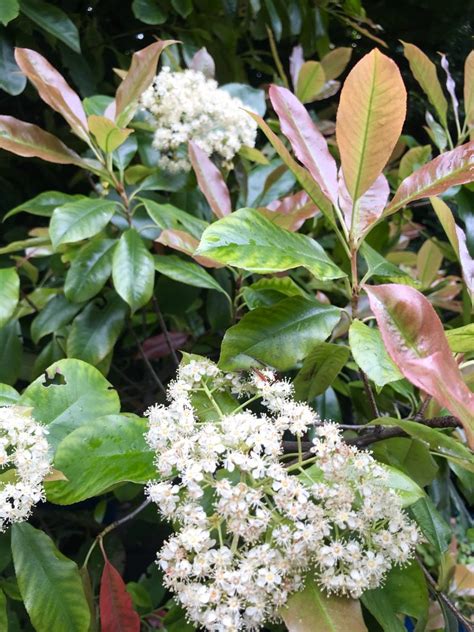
(100, 454)
(133, 270)
(80, 220)
(248, 240)
(49, 582)
(8, 395)
(279, 336)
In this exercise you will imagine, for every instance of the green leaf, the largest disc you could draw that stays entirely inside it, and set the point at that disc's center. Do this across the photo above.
(9, 10)
(369, 352)
(100, 454)
(80, 219)
(108, 135)
(186, 272)
(9, 293)
(311, 609)
(183, 7)
(148, 11)
(52, 20)
(96, 330)
(11, 355)
(379, 266)
(408, 455)
(11, 79)
(168, 216)
(44, 203)
(133, 270)
(57, 313)
(279, 336)
(405, 487)
(3, 612)
(49, 582)
(89, 270)
(69, 394)
(461, 339)
(404, 592)
(246, 239)
(319, 370)
(311, 80)
(268, 291)
(431, 522)
(8, 395)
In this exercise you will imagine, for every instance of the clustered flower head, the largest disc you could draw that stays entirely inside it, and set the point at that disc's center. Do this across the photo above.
(250, 521)
(24, 459)
(188, 106)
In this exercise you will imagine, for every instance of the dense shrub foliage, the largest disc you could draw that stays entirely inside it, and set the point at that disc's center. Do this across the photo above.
(236, 337)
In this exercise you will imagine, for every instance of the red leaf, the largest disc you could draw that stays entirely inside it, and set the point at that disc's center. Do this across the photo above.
(451, 168)
(295, 209)
(116, 609)
(415, 339)
(307, 141)
(157, 346)
(210, 181)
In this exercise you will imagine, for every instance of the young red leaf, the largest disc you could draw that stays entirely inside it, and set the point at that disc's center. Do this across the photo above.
(116, 609)
(158, 346)
(210, 181)
(414, 337)
(362, 215)
(447, 170)
(138, 78)
(307, 141)
(53, 89)
(25, 139)
(369, 120)
(295, 210)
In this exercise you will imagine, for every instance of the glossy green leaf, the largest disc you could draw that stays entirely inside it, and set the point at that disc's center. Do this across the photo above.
(378, 266)
(57, 313)
(168, 216)
(311, 80)
(461, 339)
(53, 20)
(11, 78)
(96, 330)
(246, 239)
(9, 10)
(3, 612)
(44, 203)
(268, 291)
(133, 270)
(408, 455)
(148, 11)
(11, 356)
(436, 530)
(9, 293)
(8, 395)
(183, 7)
(415, 158)
(80, 219)
(49, 582)
(311, 609)
(70, 394)
(186, 272)
(279, 336)
(89, 270)
(100, 454)
(408, 491)
(369, 352)
(319, 370)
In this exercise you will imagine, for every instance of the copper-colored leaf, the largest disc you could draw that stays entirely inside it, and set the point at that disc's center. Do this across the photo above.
(424, 71)
(210, 181)
(335, 62)
(362, 215)
(469, 92)
(159, 346)
(138, 78)
(414, 337)
(294, 210)
(447, 170)
(184, 242)
(25, 139)
(307, 141)
(53, 89)
(116, 608)
(369, 120)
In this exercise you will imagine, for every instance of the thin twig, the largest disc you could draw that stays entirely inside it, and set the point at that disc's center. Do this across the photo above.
(164, 328)
(370, 394)
(152, 371)
(445, 599)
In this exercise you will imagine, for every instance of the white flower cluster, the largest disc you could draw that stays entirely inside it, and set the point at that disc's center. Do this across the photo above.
(188, 106)
(251, 523)
(24, 456)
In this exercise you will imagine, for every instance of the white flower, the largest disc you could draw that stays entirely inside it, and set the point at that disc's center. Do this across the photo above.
(24, 455)
(188, 106)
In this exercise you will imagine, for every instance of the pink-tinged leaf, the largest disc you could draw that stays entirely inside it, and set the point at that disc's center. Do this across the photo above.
(184, 242)
(415, 340)
(450, 85)
(203, 62)
(311, 80)
(25, 139)
(302, 175)
(447, 170)
(307, 141)
(469, 92)
(116, 608)
(138, 78)
(296, 61)
(457, 239)
(53, 89)
(362, 215)
(210, 181)
(159, 346)
(369, 120)
(294, 210)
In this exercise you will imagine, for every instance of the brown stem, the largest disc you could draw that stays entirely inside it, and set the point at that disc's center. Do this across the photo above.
(164, 328)
(120, 521)
(370, 395)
